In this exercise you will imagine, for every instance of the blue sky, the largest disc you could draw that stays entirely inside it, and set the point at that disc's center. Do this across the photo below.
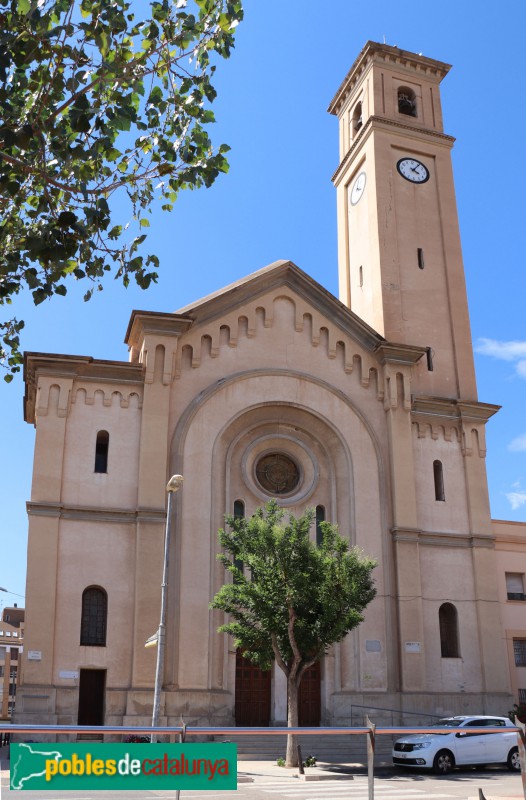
(278, 202)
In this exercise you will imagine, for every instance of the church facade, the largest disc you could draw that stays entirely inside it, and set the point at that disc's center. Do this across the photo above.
(364, 407)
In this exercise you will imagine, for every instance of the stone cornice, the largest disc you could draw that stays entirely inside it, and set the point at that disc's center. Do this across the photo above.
(58, 366)
(143, 323)
(116, 515)
(477, 412)
(394, 353)
(383, 123)
(427, 408)
(374, 52)
(439, 539)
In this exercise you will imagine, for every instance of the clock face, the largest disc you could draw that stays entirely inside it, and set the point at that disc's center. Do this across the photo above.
(413, 170)
(358, 188)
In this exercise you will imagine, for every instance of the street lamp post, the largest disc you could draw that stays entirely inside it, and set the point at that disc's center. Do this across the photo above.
(14, 593)
(173, 485)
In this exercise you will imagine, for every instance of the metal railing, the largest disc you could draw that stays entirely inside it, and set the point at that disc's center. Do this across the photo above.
(392, 712)
(370, 730)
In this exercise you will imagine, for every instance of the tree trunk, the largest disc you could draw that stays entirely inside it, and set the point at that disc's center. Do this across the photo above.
(291, 759)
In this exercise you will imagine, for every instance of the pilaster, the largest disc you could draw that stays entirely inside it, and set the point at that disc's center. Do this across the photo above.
(397, 375)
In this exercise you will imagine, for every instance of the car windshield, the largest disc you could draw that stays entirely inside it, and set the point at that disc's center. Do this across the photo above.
(448, 723)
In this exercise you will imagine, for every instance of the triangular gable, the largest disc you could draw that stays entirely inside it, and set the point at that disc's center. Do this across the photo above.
(238, 294)
(199, 326)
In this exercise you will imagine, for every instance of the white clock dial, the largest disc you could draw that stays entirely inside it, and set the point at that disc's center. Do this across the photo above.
(358, 188)
(413, 170)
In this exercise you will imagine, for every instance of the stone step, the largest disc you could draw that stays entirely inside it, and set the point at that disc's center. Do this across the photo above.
(333, 748)
(90, 737)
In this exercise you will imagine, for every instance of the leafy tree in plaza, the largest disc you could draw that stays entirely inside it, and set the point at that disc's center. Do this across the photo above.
(292, 599)
(98, 101)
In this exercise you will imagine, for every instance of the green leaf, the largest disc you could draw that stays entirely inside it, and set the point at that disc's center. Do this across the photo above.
(81, 88)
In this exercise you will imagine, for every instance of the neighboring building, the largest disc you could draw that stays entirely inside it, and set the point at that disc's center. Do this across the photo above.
(14, 615)
(510, 545)
(11, 648)
(364, 407)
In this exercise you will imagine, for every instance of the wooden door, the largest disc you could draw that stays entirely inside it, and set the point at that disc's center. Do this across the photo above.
(309, 701)
(252, 694)
(92, 686)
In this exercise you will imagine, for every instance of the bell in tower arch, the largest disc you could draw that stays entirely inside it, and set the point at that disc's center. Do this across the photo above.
(406, 101)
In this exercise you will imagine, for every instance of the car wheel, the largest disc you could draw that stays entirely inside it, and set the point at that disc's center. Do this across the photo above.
(514, 762)
(444, 762)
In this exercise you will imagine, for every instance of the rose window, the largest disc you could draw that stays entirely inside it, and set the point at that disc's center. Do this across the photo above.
(277, 473)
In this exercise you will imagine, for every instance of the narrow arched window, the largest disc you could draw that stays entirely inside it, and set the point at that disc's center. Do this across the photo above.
(320, 517)
(94, 617)
(448, 623)
(406, 101)
(438, 475)
(101, 451)
(239, 513)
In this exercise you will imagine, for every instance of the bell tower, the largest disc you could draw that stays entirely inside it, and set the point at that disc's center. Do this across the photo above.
(399, 253)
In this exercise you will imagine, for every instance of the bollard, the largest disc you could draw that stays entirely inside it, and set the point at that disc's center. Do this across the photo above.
(300, 760)
(482, 796)
(522, 751)
(370, 756)
(182, 739)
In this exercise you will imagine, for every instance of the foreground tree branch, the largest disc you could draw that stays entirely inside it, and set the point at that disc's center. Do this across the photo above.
(96, 102)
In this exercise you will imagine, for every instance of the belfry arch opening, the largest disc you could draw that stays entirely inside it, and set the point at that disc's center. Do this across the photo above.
(406, 101)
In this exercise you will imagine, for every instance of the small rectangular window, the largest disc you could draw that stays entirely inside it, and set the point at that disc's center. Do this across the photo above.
(361, 277)
(515, 585)
(519, 651)
(522, 695)
(421, 264)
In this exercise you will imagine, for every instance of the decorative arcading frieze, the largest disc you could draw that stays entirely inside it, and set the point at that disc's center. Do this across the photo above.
(53, 398)
(472, 439)
(206, 342)
(446, 433)
(397, 389)
(107, 397)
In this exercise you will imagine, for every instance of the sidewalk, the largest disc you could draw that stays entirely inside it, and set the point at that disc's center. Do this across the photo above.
(249, 771)
(254, 771)
(322, 771)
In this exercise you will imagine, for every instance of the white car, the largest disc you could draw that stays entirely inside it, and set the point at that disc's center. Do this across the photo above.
(441, 752)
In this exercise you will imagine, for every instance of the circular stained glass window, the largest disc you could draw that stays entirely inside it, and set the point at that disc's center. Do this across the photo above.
(277, 473)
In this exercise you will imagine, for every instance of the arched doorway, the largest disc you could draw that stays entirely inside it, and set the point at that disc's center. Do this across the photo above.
(252, 705)
(309, 700)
